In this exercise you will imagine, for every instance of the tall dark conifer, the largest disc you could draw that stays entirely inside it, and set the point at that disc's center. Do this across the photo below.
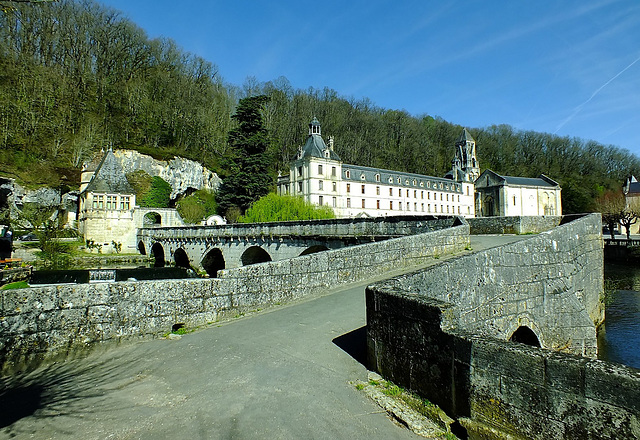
(249, 177)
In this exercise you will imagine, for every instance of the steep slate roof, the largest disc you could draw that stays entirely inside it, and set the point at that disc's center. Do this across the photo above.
(315, 147)
(632, 187)
(406, 179)
(464, 137)
(109, 177)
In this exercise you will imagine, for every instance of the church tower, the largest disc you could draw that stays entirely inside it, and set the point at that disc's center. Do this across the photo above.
(465, 163)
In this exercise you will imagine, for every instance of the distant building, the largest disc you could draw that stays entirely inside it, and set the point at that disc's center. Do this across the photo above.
(106, 204)
(631, 190)
(318, 175)
(498, 195)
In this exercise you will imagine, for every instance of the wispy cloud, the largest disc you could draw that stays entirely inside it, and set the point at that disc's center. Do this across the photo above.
(579, 108)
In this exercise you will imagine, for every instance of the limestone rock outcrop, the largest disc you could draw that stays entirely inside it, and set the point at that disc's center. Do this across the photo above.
(180, 173)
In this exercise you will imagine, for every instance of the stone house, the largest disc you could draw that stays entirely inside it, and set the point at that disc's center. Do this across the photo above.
(106, 205)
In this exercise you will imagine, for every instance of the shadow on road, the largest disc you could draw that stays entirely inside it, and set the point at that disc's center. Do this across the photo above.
(354, 344)
(59, 389)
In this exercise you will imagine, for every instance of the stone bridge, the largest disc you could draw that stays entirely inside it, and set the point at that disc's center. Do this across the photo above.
(213, 248)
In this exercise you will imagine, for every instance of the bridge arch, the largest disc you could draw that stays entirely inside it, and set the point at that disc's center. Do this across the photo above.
(142, 248)
(525, 335)
(254, 255)
(314, 249)
(152, 219)
(157, 252)
(213, 261)
(181, 258)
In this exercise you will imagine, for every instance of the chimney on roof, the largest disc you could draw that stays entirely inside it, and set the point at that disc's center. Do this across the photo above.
(331, 143)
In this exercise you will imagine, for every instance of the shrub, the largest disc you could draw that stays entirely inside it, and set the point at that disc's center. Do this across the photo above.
(273, 208)
(197, 206)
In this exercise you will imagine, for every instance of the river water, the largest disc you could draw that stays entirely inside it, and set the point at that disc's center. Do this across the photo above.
(619, 339)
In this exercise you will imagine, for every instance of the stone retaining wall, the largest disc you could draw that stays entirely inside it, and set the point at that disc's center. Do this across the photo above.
(498, 389)
(46, 323)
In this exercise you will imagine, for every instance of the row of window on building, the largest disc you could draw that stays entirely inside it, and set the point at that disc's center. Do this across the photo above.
(111, 202)
(398, 206)
(408, 192)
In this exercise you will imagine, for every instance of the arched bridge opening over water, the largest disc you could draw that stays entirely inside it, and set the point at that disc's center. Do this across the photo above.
(214, 248)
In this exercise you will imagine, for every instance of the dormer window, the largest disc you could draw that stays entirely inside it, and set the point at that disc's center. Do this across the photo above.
(362, 176)
(377, 177)
(347, 174)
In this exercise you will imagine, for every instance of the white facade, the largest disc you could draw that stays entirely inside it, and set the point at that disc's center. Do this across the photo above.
(498, 195)
(318, 175)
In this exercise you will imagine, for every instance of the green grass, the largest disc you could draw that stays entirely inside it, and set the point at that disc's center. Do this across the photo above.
(411, 400)
(16, 285)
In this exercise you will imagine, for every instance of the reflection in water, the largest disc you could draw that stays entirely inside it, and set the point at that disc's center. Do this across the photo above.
(619, 340)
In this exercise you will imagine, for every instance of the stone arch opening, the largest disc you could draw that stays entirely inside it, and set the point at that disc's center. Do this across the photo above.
(141, 248)
(524, 335)
(314, 249)
(254, 255)
(152, 219)
(212, 262)
(181, 258)
(157, 252)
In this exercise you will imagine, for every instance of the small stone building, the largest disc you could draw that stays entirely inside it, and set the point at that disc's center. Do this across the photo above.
(106, 205)
(506, 196)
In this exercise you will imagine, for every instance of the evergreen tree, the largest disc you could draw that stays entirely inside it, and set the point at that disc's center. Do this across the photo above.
(249, 177)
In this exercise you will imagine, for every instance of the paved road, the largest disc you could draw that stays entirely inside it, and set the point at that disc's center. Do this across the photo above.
(281, 374)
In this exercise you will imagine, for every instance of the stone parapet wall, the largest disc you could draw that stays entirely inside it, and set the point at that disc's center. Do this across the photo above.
(498, 389)
(377, 226)
(551, 282)
(512, 225)
(45, 323)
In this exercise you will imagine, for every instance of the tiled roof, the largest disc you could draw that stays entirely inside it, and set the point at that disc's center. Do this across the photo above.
(529, 181)
(109, 177)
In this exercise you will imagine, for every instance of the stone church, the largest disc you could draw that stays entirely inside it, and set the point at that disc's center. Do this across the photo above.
(508, 196)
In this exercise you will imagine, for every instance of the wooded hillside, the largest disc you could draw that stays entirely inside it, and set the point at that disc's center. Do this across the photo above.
(76, 76)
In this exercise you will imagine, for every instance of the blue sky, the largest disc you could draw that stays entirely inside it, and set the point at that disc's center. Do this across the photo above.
(565, 67)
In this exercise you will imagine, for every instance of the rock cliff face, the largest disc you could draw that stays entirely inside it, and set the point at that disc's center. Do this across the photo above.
(180, 173)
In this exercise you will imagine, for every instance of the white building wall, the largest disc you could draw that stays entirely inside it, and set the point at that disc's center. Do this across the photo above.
(531, 201)
(351, 196)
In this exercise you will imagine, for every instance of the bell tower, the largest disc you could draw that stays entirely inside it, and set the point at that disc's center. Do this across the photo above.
(466, 161)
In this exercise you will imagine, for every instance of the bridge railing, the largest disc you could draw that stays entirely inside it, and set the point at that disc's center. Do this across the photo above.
(622, 242)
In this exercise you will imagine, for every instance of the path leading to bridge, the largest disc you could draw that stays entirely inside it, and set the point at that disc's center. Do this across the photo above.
(282, 374)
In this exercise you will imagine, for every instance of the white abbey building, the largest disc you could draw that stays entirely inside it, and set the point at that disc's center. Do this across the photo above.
(318, 175)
